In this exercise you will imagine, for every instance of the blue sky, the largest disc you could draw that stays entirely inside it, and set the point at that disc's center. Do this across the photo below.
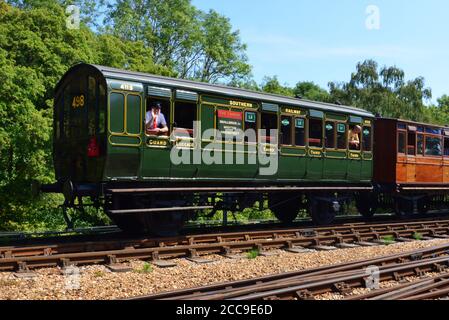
(322, 40)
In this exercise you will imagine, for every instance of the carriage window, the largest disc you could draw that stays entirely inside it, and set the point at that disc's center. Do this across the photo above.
(401, 142)
(411, 143)
(433, 130)
(251, 124)
(355, 132)
(315, 133)
(133, 114)
(286, 130)
(420, 145)
(341, 136)
(268, 122)
(117, 111)
(446, 146)
(300, 132)
(330, 135)
(433, 146)
(165, 112)
(185, 115)
(367, 133)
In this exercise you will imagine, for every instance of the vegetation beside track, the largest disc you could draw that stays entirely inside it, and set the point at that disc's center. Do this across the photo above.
(36, 48)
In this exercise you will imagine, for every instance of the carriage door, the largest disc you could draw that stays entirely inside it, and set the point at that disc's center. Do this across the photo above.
(355, 149)
(125, 130)
(315, 157)
(186, 156)
(156, 149)
(411, 153)
(367, 148)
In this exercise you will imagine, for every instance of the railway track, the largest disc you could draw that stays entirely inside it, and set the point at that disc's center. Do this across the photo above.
(114, 251)
(342, 278)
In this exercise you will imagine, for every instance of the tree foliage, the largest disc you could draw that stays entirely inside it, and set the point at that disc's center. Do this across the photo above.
(157, 36)
(194, 44)
(383, 91)
(37, 48)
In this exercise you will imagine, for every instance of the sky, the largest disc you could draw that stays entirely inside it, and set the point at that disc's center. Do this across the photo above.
(323, 40)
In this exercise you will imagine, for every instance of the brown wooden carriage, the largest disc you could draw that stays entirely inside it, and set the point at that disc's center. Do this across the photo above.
(411, 162)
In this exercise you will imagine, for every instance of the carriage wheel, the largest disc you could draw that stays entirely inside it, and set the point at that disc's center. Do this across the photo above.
(321, 211)
(424, 205)
(285, 206)
(403, 207)
(366, 204)
(163, 224)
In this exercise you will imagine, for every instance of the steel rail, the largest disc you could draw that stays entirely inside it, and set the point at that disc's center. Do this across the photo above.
(335, 235)
(315, 274)
(293, 290)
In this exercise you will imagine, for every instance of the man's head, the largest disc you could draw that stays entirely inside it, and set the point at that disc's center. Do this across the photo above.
(357, 129)
(156, 107)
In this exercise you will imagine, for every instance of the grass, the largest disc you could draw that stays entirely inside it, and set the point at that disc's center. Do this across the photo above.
(253, 254)
(146, 268)
(417, 236)
(99, 274)
(387, 240)
(7, 283)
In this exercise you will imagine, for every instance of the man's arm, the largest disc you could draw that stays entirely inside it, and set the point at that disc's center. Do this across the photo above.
(164, 128)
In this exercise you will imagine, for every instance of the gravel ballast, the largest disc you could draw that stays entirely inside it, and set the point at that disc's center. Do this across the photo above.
(97, 282)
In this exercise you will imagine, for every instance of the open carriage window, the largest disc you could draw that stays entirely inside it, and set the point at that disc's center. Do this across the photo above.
(355, 132)
(157, 117)
(268, 122)
(315, 133)
(185, 116)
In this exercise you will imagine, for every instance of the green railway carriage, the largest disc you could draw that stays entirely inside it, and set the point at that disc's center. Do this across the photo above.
(102, 149)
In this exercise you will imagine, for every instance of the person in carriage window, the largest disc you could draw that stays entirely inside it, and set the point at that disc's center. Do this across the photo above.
(155, 122)
(354, 138)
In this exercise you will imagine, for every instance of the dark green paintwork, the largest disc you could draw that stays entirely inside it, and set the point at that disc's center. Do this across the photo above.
(145, 158)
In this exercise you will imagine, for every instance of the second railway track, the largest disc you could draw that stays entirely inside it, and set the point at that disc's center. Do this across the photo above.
(342, 279)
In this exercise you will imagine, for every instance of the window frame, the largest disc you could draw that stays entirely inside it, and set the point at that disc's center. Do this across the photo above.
(292, 132)
(169, 120)
(125, 95)
(371, 128)
(173, 115)
(259, 140)
(306, 132)
(398, 133)
(322, 133)
(441, 144)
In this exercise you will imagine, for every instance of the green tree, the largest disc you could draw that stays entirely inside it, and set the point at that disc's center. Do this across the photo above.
(272, 85)
(311, 91)
(383, 91)
(36, 49)
(194, 44)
